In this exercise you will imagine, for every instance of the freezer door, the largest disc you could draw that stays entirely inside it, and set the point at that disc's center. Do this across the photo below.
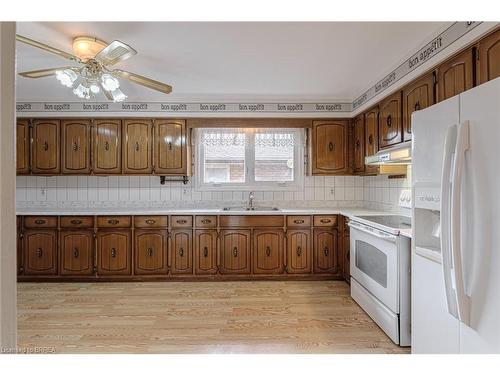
(480, 219)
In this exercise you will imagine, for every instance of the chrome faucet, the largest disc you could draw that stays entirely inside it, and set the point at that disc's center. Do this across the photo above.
(250, 200)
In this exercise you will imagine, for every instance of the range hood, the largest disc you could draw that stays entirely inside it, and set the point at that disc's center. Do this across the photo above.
(397, 155)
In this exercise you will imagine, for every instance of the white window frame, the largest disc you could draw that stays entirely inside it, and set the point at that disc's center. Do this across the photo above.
(250, 184)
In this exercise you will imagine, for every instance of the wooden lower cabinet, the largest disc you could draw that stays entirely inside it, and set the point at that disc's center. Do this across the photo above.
(76, 253)
(298, 251)
(205, 252)
(40, 252)
(114, 252)
(268, 251)
(181, 252)
(235, 250)
(325, 251)
(150, 249)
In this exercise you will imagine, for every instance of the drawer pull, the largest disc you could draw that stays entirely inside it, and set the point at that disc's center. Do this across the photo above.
(331, 146)
(326, 251)
(235, 252)
(150, 251)
(370, 139)
(40, 221)
(268, 251)
(113, 252)
(45, 146)
(39, 252)
(325, 221)
(181, 221)
(137, 146)
(76, 222)
(389, 121)
(113, 221)
(150, 221)
(298, 221)
(181, 252)
(205, 251)
(206, 221)
(106, 146)
(299, 251)
(358, 143)
(76, 252)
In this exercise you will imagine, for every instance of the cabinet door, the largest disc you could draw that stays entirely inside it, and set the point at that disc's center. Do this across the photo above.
(456, 75)
(19, 245)
(40, 252)
(416, 96)
(181, 252)
(76, 252)
(298, 247)
(330, 147)
(75, 140)
(137, 146)
(325, 251)
(170, 146)
(390, 125)
(22, 147)
(205, 253)
(371, 131)
(113, 253)
(268, 251)
(107, 147)
(359, 144)
(45, 151)
(235, 252)
(489, 57)
(150, 248)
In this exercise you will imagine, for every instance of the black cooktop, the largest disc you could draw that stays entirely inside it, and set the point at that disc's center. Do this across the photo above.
(391, 221)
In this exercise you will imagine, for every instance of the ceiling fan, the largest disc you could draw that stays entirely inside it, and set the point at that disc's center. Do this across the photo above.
(94, 72)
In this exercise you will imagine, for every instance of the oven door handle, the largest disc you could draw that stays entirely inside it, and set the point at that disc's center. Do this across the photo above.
(376, 233)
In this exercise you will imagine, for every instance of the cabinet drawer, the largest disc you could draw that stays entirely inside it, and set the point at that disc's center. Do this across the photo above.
(150, 221)
(325, 220)
(114, 221)
(298, 221)
(182, 221)
(206, 221)
(77, 221)
(251, 221)
(40, 221)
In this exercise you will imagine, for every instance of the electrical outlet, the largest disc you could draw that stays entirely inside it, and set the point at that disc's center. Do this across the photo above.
(43, 192)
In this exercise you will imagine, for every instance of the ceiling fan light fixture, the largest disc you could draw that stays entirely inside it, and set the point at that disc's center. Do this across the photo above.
(86, 47)
(82, 92)
(118, 95)
(66, 77)
(109, 82)
(94, 87)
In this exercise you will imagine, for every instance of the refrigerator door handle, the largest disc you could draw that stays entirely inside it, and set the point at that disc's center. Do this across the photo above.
(449, 148)
(456, 192)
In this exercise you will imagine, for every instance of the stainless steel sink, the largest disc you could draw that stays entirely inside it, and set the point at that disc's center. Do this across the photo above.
(258, 208)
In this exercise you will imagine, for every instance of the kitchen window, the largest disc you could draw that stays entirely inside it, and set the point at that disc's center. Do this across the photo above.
(249, 159)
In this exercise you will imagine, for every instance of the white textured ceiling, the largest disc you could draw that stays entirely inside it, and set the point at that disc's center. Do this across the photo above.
(234, 61)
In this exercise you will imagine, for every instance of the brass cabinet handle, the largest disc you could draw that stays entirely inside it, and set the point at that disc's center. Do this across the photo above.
(150, 221)
(40, 221)
(370, 139)
(268, 251)
(206, 221)
(150, 251)
(75, 146)
(76, 252)
(113, 221)
(45, 146)
(389, 121)
(417, 105)
(331, 146)
(299, 251)
(358, 143)
(324, 221)
(181, 221)
(326, 251)
(39, 252)
(113, 252)
(235, 252)
(181, 252)
(136, 146)
(76, 222)
(106, 146)
(205, 251)
(298, 221)
(170, 146)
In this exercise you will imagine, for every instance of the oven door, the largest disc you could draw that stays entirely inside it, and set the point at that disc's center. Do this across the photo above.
(374, 263)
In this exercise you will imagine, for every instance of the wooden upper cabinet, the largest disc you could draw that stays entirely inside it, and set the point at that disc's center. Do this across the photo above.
(359, 144)
(488, 66)
(390, 125)
(45, 148)
(170, 151)
(371, 131)
(416, 96)
(22, 147)
(137, 146)
(456, 75)
(235, 251)
(75, 141)
(107, 147)
(268, 251)
(330, 147)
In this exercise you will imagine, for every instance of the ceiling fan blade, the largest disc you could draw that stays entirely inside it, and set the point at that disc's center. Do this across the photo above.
(43, 72)
(46, 47)
(115, 52)
(144, 81)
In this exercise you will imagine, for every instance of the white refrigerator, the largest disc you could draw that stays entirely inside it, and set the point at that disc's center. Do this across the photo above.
(456, 224)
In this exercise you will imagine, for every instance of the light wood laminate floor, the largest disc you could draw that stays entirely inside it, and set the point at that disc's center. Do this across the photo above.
(197, 317)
